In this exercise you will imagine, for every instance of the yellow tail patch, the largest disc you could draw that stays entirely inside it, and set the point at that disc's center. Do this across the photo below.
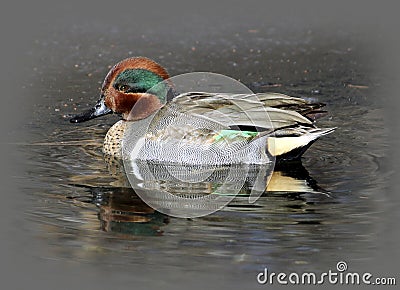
(280, 145)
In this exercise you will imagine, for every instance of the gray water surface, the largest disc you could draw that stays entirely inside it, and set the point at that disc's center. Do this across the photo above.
(80, 213)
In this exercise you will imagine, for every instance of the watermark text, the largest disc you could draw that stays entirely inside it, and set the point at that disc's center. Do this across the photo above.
(339, 276)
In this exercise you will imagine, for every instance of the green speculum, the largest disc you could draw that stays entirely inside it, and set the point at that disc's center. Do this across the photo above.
(141, 81)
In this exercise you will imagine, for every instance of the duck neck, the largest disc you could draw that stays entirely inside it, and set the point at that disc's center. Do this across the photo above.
(144, 107)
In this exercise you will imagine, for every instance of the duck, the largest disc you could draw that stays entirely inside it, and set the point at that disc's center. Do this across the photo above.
(159, 124)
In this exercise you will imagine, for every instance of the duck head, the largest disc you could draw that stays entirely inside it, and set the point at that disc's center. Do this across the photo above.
(134, 88)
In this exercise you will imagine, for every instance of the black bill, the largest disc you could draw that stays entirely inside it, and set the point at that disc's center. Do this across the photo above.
(100, 109)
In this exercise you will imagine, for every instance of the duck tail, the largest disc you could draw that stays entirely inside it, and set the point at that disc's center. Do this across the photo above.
(292, 147)
(322, 131)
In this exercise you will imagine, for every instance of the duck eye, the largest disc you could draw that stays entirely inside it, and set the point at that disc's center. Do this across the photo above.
(123, 88)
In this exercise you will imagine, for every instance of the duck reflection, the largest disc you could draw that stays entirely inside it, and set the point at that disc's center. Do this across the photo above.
(292, 176)
(125, 213)
(285, 176)
(195, 190)
(163, 186)
(122, 211)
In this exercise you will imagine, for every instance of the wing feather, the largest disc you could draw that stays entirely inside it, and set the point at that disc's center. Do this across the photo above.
(260, 110)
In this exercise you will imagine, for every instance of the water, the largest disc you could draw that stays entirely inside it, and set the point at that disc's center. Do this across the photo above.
(315, 214)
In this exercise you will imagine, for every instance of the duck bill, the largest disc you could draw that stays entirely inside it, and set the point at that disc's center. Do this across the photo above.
(100, 109)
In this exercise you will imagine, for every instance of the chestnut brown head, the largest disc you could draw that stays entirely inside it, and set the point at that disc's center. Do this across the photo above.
(126, 83)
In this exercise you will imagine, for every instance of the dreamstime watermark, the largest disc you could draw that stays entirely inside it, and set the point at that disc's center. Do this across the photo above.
(340, 276)
(191, 158)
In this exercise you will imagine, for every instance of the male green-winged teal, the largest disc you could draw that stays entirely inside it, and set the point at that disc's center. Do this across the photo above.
(199, 127)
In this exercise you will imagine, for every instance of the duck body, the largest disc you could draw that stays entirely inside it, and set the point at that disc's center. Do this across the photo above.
(189, 140)
(199, 128)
